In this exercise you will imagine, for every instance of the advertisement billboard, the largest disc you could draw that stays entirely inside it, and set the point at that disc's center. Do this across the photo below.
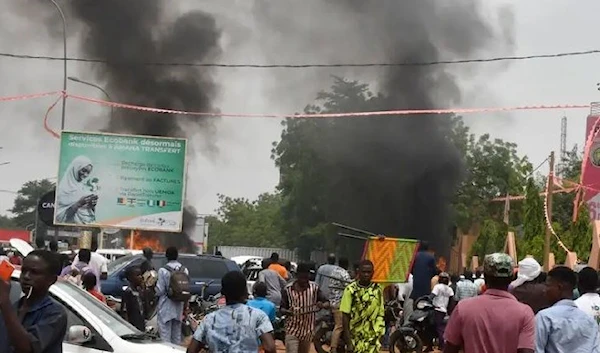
(120, 181)
(591, 175)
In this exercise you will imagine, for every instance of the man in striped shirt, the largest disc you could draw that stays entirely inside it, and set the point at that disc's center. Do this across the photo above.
(300, 301)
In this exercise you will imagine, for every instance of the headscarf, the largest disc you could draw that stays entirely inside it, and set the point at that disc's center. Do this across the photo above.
(70, 191)
(529, 269)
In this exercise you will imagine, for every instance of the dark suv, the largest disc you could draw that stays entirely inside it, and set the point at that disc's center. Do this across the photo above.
(202, 269)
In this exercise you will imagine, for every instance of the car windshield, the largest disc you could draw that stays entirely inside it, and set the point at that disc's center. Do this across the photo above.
(120, 263)
(119, 326)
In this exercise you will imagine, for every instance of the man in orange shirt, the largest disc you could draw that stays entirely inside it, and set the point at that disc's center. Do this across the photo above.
(277, 267)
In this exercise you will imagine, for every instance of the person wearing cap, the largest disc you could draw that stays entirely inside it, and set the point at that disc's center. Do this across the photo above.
(563, 327)
(441, 298)
(495, 321)
(528, 287)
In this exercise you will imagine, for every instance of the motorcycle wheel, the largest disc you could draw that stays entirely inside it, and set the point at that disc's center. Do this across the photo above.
(320, 339)
(405, 343)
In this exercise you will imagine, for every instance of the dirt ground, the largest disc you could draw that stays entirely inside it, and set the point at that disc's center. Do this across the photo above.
(280, 346)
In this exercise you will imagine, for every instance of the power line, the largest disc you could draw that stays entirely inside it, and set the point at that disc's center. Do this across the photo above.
(536, 168)
(305, 66)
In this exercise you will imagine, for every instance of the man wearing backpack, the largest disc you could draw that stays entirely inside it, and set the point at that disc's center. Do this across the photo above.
(173, 292)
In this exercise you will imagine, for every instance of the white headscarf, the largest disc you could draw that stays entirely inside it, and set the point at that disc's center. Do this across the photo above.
(529, 269)
(70, 191)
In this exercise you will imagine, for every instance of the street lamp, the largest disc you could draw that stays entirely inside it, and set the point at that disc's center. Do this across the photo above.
(64, 99)
(4, 163)
(75, 79)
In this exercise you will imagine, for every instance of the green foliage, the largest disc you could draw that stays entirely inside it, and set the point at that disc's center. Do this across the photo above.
(534, 225)
(494, 169)
(25, 206)
(491, 238)
(247, 223)
(308, 183)
(315, 192)
(575, 236)
(6, 222)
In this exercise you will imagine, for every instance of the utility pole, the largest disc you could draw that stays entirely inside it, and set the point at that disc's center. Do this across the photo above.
(548, 210)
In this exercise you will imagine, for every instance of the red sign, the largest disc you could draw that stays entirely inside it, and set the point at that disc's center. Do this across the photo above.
(591, 172)
(6, 235)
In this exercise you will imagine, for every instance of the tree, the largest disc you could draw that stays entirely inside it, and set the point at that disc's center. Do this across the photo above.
(373, 173)
(240, 222)
(491, 238)
(534, 224)
(25, 206)
(6, 222)
(494, 169)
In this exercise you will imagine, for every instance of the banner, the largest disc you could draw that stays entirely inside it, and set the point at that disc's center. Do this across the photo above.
(591, 175)
(392, 258)
(121, 181)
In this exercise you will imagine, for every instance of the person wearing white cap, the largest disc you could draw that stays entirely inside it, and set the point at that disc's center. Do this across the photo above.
(527, 287)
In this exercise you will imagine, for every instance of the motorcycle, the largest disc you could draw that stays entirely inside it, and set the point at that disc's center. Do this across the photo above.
(279, 327)
(324, 330)
(199, 307)
(420, 328)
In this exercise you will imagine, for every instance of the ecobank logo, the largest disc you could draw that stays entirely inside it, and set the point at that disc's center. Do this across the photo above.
(161, 222)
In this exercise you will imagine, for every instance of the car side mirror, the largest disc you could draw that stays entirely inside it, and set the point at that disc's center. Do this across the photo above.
(79, 335)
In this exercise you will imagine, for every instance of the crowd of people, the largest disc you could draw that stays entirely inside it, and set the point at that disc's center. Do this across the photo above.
(501, 308)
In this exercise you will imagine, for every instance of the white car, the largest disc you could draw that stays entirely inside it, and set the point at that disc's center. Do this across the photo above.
(93, 327)
(242, 260)
(110, 254)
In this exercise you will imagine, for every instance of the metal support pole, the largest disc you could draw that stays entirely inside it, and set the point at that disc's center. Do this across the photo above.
(549, 215)
(64, 98)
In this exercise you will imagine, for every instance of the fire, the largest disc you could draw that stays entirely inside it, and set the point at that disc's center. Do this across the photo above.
(144, 240)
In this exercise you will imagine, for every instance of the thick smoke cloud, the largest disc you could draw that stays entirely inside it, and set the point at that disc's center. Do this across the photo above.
(126, 33)
(137, 31)
(140, 31)
(396, 175)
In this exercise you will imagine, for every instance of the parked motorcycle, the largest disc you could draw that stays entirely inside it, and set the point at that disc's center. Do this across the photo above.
(420, 328)
(199, 307)
(324, 330)
(279, 327)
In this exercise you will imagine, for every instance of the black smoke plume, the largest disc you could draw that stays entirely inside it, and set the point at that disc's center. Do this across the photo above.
(137, 31)
(129, 33)
(390, 175)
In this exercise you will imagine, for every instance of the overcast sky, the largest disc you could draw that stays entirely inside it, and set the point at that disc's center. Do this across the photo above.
(243, 166)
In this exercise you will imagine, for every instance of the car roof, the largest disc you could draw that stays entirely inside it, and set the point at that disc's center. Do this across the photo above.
(200, 256)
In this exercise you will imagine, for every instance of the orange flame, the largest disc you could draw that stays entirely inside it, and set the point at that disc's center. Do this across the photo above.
(144, 240)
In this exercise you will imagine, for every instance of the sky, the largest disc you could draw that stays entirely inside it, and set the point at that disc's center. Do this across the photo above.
(243, 167)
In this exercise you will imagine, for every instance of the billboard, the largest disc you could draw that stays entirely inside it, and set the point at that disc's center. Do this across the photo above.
(120, 181)
(591, 175)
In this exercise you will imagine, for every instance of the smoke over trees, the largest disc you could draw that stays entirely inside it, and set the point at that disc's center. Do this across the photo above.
(333, 170)
(393, 175)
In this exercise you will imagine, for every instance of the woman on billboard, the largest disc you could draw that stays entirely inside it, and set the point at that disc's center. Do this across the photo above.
(76, 194)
